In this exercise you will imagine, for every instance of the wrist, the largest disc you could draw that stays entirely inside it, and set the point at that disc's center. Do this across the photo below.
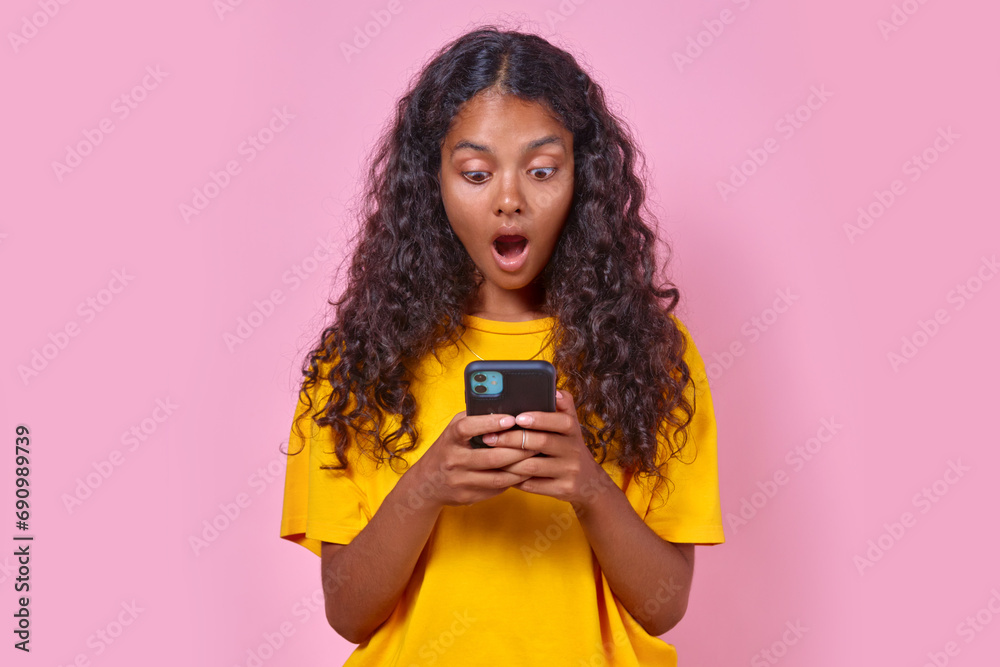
(418, 487)
(596, 483)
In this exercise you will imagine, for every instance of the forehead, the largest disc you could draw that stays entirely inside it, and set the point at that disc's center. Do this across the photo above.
(505, 118)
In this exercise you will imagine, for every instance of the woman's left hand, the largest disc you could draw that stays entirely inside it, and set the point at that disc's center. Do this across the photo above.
(568, 471)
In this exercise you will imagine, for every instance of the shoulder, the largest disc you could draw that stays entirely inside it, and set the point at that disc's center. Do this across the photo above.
(314, 391)
(696, 365)
(681, 326)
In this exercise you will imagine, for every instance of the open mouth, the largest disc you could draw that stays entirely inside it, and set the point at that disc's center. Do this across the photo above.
(510, 246)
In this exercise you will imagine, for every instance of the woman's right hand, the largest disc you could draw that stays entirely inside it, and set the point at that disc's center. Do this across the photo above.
(453, 472)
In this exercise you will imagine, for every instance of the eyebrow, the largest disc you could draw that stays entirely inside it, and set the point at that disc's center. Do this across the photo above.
(537, 143)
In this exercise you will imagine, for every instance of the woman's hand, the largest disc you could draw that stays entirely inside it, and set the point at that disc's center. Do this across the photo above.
(568, 471)
(452, 472)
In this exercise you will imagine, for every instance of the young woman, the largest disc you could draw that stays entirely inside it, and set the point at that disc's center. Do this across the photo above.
(502, 220)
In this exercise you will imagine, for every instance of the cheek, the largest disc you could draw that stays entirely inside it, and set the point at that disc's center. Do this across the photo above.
(452, 202)
(465, 219)
(566, 202)
(556, 221)
(458, 223)
(452, 212)
(556, 202)
(447, 202)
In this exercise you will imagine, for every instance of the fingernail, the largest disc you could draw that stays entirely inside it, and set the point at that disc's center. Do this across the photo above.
(490, 438)
(558, 394)
(524, 420)
(506, 421)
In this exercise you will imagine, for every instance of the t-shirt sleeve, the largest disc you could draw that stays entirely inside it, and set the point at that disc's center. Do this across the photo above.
(691, 512)
(319, 505)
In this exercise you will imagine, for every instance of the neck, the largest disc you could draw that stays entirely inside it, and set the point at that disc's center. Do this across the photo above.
(503, 305)
(503, 317)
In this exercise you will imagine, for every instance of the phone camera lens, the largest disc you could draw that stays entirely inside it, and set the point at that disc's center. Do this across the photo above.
(479, 389)
(479, 377)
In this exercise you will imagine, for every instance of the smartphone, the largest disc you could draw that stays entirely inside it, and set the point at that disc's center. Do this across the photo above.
(508, 387)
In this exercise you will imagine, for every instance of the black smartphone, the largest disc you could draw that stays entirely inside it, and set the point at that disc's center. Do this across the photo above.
(508, 387)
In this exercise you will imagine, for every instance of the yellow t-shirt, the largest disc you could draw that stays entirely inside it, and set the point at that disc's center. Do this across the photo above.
(510, 580)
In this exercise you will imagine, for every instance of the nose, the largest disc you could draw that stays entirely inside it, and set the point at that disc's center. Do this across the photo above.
(508, 198)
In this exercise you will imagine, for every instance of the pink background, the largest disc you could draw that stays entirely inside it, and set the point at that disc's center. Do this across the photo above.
(793, 556)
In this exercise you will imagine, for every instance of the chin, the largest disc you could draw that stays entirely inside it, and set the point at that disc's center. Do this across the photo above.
(523, 284)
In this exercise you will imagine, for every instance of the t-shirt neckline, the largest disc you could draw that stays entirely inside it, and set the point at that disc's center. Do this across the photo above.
(498, 326)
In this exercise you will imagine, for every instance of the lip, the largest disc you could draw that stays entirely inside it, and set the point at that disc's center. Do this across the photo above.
(508, 230)
(510, 264)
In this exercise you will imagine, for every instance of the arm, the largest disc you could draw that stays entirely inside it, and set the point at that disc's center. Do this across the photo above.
(363, 580)
(651, 576)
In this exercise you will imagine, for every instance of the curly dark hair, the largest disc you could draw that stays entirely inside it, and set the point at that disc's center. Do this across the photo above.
(618, 350)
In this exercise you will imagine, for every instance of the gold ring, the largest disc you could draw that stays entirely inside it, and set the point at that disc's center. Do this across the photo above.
(524, 436)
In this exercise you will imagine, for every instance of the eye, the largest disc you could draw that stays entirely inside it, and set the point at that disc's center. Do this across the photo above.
(467, 173)
(485, 174)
